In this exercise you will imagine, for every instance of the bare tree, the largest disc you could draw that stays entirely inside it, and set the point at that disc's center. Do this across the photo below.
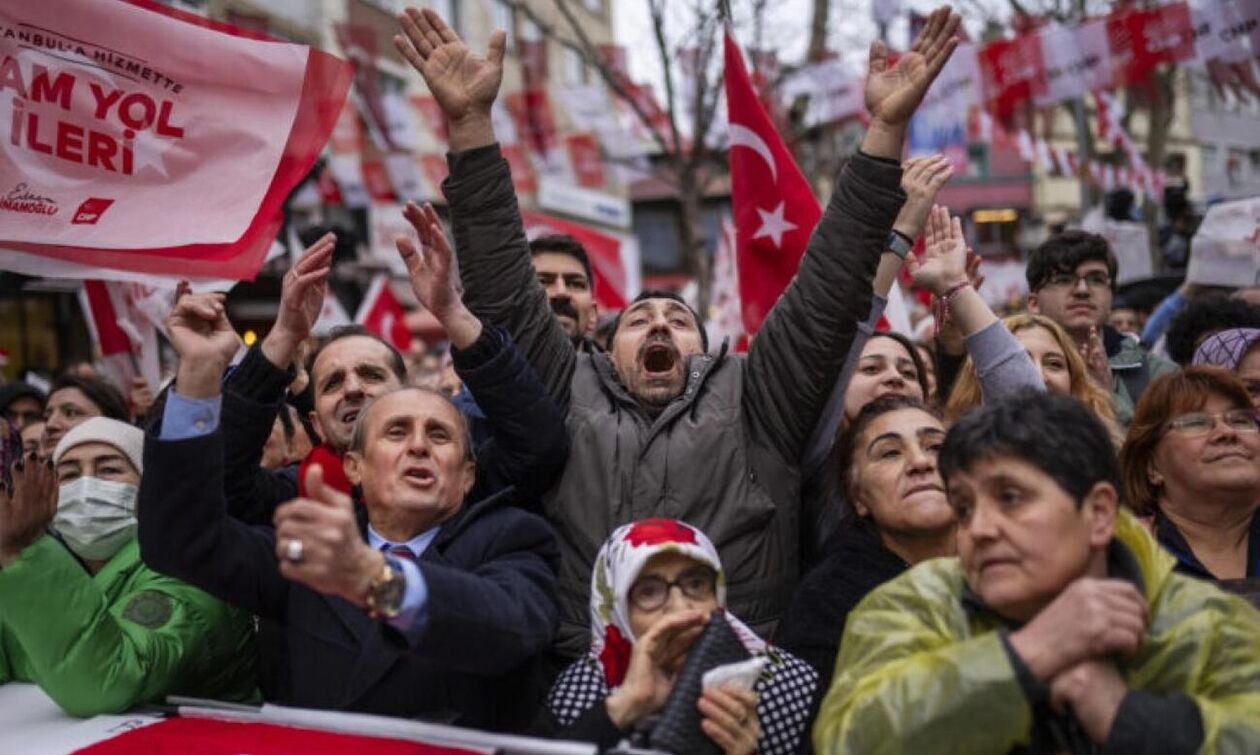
(686, 159)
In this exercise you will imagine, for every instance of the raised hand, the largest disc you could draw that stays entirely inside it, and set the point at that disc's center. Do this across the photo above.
(464, 84)
(28, 508)
(921, 179)
(199, 327)
(430, 270)
(302, 295)
(1094, 354)
(944, 260)
(140, 396)
(654, 664)
(894, 92)
(331, 556)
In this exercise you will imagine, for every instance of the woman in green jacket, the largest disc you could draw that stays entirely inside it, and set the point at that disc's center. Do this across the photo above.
(1060, 627)
(80, 615)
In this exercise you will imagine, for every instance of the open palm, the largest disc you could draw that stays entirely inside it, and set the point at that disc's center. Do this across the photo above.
(944, 259)
(463, 83)
(893, 92)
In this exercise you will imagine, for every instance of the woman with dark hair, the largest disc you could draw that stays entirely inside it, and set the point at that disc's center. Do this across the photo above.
(1192, 460)
(74, 399)
(899, 517)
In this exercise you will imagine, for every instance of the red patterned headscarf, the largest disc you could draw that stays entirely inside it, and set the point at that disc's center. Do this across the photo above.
(618, 565)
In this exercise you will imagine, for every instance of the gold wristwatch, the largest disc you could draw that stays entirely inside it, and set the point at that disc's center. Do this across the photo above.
(386, 590)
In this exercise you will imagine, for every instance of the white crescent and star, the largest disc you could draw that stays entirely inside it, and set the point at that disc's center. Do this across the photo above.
(773, 224)
(742, 136)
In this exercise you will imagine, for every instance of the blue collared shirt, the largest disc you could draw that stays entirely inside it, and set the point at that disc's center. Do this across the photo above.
(411, 614)
(185, 417)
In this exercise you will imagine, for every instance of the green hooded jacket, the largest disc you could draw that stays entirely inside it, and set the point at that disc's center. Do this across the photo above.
(918, 673)
(102, 643)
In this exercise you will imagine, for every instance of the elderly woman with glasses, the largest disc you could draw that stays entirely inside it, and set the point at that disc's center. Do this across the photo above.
(654, 586)
(1192, 460)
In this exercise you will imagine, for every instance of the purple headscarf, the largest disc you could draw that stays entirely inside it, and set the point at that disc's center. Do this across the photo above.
(1226, 348)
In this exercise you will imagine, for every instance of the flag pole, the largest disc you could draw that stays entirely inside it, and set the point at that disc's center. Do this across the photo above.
(724, 11)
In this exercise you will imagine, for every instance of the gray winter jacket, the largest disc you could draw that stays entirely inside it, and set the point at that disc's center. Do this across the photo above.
(723, 456)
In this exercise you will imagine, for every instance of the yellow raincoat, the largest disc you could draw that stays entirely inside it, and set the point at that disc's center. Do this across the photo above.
(918, 673)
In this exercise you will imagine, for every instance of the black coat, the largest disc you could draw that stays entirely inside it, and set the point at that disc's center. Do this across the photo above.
(522, 442)
(490, 612)
(856, 563)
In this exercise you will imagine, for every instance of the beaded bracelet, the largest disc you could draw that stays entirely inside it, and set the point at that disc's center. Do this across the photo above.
(941, 310)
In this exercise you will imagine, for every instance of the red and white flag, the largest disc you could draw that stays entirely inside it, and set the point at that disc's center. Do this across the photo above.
(614, 257)
(774, 207)
(383, 314)
(144, 139)
(123, 320)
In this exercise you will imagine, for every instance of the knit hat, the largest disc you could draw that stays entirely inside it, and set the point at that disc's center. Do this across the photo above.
(1226, 348)
(128, 439)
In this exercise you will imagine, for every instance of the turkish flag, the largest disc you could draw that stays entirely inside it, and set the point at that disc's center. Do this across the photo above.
(382, 314)
(774, 207)
(1013, 72)
(614, 257)
(376, 180)
(1140, 40)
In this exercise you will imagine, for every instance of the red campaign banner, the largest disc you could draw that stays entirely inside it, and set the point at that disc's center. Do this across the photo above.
(522, 169)
(111, 117)
(533, 55)
(645, 98)
(202, 736)
(431, 112)
(531, 112)
(1013, 71)
(1140, 40)
(617, 60)
(435, 169)
(376, 180)
(588, 163)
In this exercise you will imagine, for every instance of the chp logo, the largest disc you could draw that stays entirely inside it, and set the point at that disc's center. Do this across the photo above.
(91, 211)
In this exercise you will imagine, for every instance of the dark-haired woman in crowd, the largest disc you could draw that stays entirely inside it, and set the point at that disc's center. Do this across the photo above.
(899, 517)
(886, 463)
(1192, 461)
(74, 399)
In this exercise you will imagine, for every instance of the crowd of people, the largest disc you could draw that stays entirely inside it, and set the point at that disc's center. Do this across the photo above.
(1033, 534)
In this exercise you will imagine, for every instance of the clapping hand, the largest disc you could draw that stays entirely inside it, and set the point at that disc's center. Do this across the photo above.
(27, 509)
(431, 271)
(921, 179)
(944, 260)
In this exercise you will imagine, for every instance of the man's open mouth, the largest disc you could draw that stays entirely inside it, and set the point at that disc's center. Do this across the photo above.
(659, 359)
(348, 416)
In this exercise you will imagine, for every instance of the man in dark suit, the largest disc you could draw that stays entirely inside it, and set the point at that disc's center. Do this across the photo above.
(418, 603)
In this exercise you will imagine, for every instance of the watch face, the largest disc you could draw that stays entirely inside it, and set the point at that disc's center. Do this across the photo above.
(387, 593)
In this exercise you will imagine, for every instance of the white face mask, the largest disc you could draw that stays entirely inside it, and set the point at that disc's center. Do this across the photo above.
(96, 517)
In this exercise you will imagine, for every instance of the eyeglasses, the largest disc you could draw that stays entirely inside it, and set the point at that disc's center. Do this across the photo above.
(650, 593)
(1194, 424)
(1095, 279)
